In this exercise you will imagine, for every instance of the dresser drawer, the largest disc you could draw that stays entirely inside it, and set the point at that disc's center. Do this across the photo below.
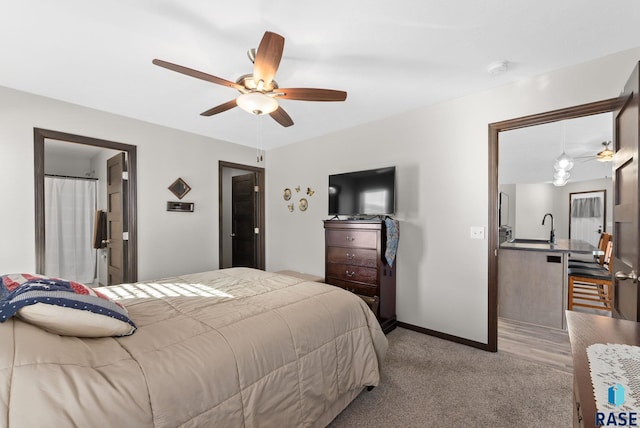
(353, 256)
(361, 289)
(353, 273)
(352, 238)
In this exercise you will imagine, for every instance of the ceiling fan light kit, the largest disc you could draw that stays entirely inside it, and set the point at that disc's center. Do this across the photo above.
(257, 103)
(259, 92)
(606, 155)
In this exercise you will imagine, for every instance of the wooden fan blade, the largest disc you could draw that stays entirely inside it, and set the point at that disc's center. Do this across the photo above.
(219, 109)
(198, 74)
(311, 94)
(268, 58)
(281, 116)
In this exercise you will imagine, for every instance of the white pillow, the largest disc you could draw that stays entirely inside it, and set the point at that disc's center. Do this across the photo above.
(73, 322)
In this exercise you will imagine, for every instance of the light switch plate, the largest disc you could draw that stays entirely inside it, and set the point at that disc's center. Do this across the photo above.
(477, 232)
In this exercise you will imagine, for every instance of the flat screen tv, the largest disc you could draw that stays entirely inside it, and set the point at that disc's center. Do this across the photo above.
(363, 193)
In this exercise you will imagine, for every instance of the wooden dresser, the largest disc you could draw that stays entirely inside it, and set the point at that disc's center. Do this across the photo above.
(354, 260)
(584, 330)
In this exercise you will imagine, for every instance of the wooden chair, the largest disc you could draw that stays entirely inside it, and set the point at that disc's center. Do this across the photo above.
(591, 285)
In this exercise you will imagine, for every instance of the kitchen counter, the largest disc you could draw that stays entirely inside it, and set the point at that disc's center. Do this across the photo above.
(532, 279)
(574, 246)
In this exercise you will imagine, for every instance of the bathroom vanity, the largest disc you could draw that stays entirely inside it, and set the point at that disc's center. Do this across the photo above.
(532, 279)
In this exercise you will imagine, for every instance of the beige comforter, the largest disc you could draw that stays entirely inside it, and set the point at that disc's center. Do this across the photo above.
(228, 348)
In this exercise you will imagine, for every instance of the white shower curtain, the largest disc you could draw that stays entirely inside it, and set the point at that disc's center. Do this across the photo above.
(70, 206)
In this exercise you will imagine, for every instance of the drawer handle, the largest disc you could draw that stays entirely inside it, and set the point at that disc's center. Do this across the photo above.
(351, 256)
(350, 274)
(350, 238)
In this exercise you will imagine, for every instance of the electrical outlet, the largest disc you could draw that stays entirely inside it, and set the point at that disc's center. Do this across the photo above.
(477, 232)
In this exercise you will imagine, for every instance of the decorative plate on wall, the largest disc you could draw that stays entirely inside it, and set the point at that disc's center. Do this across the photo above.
(303, 204)
(287, 194)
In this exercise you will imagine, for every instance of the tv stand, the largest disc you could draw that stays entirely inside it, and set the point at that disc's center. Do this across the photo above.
(354, 260)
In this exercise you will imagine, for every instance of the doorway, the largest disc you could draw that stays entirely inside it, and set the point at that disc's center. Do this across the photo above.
(588, 215)
(604, 106)
(71, 201)
(241, 215)
(43, 135)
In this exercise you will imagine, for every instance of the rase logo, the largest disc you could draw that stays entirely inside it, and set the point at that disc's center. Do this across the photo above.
(615, 396)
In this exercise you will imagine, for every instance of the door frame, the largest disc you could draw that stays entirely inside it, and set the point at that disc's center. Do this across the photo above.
(260, 180)
(39, 136)
(598, 107)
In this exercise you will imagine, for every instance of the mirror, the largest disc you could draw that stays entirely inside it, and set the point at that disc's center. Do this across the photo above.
(179, 188)
(503, 209)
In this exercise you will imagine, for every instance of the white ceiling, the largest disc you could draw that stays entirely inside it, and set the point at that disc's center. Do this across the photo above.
(390, 57)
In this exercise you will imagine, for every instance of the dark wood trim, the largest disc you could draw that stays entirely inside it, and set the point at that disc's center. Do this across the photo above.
(261, 209)
(444, 336)
(493, 231)
(39, 136)
(604, 106)
(38, 170)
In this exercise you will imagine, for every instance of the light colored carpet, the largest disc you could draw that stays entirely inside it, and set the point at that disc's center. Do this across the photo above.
(432, 382)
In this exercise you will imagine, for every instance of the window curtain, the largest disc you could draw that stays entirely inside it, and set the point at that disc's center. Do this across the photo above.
(587, 218)
(70, 206)
(586, 208)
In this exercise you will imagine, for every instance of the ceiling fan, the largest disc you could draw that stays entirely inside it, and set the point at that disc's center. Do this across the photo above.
(259, 92)
(604, 155)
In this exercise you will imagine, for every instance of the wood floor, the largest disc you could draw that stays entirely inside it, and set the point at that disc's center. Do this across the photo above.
(544, 345)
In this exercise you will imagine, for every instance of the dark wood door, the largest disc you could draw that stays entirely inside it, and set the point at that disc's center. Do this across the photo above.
(116, 220)
(626, 233)
(244, 231)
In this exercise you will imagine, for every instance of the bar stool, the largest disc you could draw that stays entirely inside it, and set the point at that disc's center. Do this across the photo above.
(596, 260)
(591, 285)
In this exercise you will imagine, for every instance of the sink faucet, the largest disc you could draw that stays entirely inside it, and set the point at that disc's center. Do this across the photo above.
(552, 234)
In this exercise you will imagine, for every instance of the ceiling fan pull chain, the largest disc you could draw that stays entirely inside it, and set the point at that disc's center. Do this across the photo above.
(259, 146)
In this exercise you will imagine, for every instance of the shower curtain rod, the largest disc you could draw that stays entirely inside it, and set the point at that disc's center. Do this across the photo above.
(71, 177)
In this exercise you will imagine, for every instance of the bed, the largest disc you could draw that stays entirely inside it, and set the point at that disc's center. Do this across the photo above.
(234, 347)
